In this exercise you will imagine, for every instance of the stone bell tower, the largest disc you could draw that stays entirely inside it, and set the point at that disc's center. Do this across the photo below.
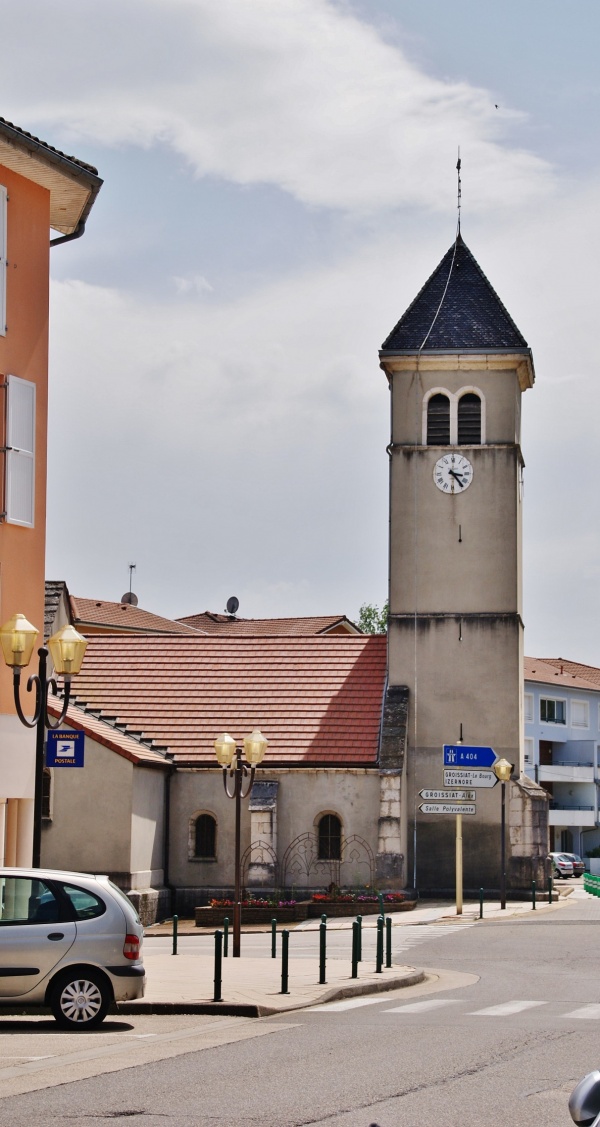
(457, 367)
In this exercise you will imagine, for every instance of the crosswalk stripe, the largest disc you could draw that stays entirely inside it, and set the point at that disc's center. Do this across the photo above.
(591, 1012)
(505, 1009)
(422, 1007)
(349, 1004)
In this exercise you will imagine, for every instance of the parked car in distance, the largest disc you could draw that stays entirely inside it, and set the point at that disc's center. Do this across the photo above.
(68, 941)
(561, 865)
(577, 863)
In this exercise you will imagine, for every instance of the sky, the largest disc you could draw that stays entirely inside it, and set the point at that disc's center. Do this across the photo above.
(279, 183)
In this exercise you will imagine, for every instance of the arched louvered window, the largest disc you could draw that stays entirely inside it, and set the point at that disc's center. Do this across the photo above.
(330, 838)
(438, 421)
(469, 420)
(206, 837)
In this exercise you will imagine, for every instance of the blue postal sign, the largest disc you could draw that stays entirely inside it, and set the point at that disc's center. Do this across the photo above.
(65, 749)
(460, 755)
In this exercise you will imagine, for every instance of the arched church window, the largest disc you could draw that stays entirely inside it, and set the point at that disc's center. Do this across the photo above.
(469, 420)
(330, 838)
(206, 837)
(438, 421)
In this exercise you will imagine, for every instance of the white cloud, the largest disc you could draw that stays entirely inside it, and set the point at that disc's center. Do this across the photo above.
(295, 93)
(197, 283)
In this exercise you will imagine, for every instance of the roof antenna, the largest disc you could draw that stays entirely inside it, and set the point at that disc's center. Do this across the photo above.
(129, 596)
(458, 167)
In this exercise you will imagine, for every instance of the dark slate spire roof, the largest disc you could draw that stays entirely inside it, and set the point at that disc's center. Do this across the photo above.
(471, 316)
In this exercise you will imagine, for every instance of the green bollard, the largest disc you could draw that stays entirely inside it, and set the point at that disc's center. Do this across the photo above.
(285, 946)
(273, 939)
(549, 890)
(388, 941)
(381, 904)
(226, 937)
(480, 903)
(379, 956)
(175, 922)
(533, 895)
(217, 996)
(322, 952)
(359, 922)
(355, 949)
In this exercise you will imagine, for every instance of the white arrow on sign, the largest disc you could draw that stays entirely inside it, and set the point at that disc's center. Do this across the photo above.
(449, 795)
(448, 808)
(459, 777)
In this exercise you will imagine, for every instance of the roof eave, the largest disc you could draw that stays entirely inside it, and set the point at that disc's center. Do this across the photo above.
(45, 164)
(462, 359)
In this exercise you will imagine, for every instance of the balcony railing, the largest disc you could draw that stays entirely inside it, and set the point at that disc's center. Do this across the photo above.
(567, 763)
(563, 806)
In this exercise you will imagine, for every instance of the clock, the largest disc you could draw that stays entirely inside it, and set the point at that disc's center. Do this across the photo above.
(453, 473)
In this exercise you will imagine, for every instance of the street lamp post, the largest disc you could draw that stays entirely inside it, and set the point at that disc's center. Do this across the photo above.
(231, 758)
(66, 647)
(503, 771)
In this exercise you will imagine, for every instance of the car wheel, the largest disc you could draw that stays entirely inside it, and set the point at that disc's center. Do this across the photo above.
(80, 1001)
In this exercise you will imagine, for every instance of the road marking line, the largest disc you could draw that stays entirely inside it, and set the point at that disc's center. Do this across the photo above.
(421, 1007)
(591, 1012)
(349, 1004)
(505, 1009)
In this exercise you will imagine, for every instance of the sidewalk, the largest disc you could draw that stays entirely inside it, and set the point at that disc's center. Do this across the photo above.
(428, 912)
(251, 986)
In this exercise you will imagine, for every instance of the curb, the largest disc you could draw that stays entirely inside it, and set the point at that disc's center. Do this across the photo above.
(241, 1009)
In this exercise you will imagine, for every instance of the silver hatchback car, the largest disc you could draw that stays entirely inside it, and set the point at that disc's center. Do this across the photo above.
(69, 941)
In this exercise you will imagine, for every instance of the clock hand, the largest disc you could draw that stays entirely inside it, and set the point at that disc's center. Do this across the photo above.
(457, 476)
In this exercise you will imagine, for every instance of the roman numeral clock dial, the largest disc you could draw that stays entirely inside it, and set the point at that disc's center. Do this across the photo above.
(453, 473)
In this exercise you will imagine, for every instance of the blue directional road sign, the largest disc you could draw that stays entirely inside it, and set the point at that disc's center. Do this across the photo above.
(460, 755)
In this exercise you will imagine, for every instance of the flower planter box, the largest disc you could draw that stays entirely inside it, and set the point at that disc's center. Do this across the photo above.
(213, 917)
(333, 909)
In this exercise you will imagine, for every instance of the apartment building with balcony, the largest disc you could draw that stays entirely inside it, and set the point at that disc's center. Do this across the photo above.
(562, 747)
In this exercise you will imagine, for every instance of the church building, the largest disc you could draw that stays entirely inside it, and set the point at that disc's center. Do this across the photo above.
(355, 730)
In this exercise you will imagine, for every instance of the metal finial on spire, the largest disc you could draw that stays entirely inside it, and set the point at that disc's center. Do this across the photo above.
(458, 167)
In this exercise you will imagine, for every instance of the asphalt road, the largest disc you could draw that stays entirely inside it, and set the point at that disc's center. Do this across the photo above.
(505, 1026)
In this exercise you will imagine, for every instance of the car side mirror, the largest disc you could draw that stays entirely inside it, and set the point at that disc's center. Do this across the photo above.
(584, 1101)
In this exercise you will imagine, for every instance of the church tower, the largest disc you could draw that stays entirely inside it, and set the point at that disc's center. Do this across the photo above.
(457, 367)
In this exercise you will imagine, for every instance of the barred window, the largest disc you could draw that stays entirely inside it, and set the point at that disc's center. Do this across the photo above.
(206, 837)
(330, 838)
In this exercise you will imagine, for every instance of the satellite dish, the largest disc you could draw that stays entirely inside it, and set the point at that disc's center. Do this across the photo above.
(232, 605)
(130, 598)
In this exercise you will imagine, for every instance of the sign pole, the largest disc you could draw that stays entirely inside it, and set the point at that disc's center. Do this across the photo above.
(459, 866)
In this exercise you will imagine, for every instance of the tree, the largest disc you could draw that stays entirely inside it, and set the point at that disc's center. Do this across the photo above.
(371, 619)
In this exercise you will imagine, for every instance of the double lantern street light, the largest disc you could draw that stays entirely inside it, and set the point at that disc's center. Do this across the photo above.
(66, 648)
(231, 758)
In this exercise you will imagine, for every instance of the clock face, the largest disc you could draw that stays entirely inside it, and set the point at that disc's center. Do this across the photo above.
(453, 473)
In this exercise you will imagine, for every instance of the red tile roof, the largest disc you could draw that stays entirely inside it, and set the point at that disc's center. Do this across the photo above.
(555, 671)
(122, 617)
(210, 623)
(116, 741)
(316, 699)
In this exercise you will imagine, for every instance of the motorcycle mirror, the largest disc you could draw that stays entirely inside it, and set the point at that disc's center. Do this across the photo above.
(584, 1101)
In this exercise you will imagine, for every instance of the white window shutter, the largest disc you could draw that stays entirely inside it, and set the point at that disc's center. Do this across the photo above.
(20, 455)
(528, 708)
(3, 199)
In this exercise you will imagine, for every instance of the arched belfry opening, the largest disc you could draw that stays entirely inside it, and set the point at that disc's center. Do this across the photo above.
(438, 420)
(469, 419)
